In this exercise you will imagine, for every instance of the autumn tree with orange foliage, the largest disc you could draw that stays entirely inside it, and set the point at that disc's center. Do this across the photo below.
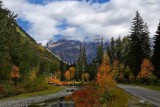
(67, 75)
(105, 80)
(104, 75)
(146, 71)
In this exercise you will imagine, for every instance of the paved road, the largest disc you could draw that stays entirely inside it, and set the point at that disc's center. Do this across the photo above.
(151, 96)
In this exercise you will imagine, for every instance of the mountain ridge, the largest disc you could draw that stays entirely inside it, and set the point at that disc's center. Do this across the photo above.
(68, 50)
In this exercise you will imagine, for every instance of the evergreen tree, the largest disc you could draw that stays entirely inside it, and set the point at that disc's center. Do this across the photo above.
(84, 60)
(156, 52)
(100, 53)
(93, 67)
(125, 51)
(81, 66)
(137, 44)
(111, 50)
(92, 70)
(118, 49)
(145, 40)
(62, 68)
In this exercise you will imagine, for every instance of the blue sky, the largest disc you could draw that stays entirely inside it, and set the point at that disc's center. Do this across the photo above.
(83, 20)
(43, 2)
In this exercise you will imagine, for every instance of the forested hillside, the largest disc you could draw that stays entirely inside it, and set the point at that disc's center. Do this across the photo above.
(23, 62)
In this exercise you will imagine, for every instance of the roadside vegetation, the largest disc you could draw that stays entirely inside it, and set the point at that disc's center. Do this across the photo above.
(150, 86)
(153, 87)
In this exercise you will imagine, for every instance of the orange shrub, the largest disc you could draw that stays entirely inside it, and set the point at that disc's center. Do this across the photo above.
(54, 80)
(87, 97)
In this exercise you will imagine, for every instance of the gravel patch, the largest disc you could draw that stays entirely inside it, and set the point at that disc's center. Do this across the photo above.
(24, 102)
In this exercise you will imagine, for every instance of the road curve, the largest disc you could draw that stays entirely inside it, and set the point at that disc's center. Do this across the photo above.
(149, 95)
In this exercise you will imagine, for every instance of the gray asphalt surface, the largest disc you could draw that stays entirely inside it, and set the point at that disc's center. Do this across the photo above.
(151, 96)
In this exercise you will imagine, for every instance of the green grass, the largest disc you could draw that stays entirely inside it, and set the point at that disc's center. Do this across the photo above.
(123, 99)
(120, 98)
(50, 89)
(153, 87)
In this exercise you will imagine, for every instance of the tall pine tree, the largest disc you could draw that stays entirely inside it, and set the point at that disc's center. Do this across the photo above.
(81, 65)
(139, 45)
(118, 50)
(78, 64)
(84, 60)
(156, 52)
(100, 52)
(145, 40)
(111, 50)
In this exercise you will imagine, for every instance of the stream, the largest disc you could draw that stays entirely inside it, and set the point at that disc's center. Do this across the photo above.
(60, 102)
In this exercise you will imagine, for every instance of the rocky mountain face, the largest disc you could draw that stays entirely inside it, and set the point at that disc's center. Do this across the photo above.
(68, 50)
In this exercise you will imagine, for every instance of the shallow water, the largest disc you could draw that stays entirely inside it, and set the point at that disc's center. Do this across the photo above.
(61, 102)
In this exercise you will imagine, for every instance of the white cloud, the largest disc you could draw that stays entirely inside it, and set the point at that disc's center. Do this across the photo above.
(108, 19)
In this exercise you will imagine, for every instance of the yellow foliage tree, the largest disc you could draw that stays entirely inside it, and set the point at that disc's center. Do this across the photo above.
(67, 75)
(33, 74)
(72, 72)
(85, 77)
